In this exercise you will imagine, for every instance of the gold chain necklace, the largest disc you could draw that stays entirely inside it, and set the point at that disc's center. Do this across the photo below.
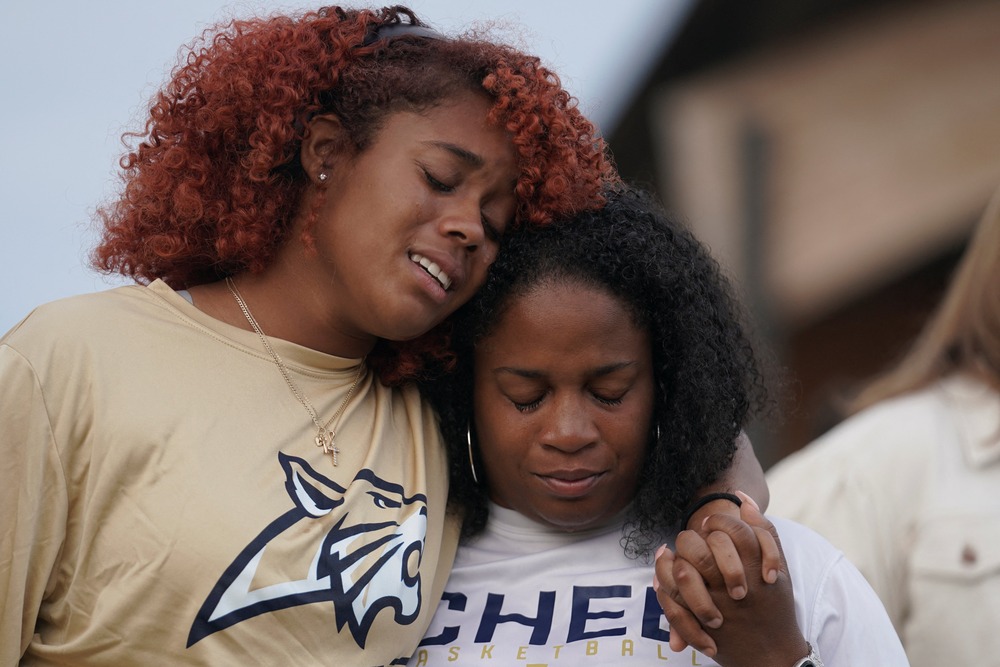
(325, 436)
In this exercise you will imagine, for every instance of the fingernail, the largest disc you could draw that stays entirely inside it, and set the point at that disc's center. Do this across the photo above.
(738, 593)
(747, 499)
(715, 623)
(660, 550)
(772, 576)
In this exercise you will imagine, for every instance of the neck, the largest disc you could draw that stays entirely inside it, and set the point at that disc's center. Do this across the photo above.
(293, 314)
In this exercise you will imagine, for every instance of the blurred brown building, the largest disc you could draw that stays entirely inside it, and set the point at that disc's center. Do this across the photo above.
(834, 156)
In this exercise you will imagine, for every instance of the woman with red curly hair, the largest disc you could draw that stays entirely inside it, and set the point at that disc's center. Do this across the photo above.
(224, 464)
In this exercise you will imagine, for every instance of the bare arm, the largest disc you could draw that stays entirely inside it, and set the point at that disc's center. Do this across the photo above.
(744, 474)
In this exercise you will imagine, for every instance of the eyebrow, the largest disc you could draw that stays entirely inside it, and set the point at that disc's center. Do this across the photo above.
(600, 371)
(461, 153)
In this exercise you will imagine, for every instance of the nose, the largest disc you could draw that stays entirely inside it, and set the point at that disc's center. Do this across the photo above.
(463, 223)
(569, 426)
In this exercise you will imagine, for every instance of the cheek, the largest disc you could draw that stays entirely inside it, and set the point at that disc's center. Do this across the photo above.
(478, 270)
(634, 436)
(501, 440)
(502, 471)
(494, 436)
(488, 255)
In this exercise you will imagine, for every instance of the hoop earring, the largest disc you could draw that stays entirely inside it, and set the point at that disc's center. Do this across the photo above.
(472, 463)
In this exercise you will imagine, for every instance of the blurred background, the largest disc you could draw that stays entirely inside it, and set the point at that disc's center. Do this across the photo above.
(834, 154)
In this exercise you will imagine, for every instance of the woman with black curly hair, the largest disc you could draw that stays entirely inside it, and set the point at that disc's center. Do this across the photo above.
(603, 378)
(217, 465)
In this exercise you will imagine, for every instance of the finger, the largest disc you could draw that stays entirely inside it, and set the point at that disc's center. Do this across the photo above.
(693, 593)
(663, 560)
(692, 547)
(772, 556)
(684, 628)
(679, 580)
(739, 533)
(663, 576)
(729, 563)
(663, 584)
(677, 643)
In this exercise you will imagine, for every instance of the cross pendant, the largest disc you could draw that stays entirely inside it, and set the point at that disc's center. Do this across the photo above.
(325, 439)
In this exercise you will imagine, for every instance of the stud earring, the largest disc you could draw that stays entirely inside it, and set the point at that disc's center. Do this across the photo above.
(323, 176)
(472, 464)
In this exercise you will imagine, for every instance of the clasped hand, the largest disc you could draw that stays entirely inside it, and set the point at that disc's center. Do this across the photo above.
(726, 591)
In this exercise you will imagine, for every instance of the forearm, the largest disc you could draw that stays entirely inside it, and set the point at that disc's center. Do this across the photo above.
(743, 474)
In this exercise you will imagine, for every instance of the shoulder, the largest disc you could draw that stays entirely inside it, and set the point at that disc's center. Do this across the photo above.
(71, 314)
(82, 326)
(893, 423)
(900, 431)
(862, 475)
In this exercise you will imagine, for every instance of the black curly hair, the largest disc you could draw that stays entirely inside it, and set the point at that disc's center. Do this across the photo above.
(708, 383)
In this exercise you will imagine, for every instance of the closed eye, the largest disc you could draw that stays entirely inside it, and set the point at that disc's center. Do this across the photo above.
(527, 406)
(436, 183)
(607, 400)
(492, 233)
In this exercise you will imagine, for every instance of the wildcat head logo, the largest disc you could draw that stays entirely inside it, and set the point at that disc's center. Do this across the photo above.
(316, 554)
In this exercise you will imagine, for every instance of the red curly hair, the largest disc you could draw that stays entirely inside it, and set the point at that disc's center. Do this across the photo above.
(215, 182)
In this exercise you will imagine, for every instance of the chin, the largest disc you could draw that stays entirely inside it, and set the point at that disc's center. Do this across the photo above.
(410, 328)
(574, 521)
(406, 334)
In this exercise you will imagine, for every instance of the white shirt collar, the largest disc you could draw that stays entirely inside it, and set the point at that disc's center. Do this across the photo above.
(976, 407)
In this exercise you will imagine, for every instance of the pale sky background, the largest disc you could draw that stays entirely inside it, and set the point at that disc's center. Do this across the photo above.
(75, 75)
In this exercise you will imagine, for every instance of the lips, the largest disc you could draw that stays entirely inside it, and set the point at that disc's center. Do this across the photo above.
(432, 269)
(570, 483)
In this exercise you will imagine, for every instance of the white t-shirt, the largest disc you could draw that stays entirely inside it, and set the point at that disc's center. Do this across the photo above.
(524, 594)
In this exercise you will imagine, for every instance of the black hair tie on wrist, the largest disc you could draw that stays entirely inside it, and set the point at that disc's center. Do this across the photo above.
(704, 500)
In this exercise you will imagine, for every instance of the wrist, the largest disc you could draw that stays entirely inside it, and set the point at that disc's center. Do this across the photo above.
(784, 651)
(779, 651)
(707, 505)
(810, 660)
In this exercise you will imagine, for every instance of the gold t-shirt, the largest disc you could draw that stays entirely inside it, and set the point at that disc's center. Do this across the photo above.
(164, 501)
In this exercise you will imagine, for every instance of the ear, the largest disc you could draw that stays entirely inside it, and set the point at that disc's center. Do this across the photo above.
(324, 146)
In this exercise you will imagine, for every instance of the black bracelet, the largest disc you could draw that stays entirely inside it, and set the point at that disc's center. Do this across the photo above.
(704, 500)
